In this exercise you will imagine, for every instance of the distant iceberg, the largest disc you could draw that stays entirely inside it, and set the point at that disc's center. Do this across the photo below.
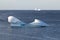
(15, 22)
(36, 9)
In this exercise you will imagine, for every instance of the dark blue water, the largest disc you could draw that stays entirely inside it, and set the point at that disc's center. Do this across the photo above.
(51, 17)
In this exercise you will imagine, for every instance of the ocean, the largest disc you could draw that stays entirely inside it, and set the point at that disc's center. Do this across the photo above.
(51, 17)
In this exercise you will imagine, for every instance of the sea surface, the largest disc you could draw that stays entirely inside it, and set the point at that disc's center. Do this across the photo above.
(51, 17)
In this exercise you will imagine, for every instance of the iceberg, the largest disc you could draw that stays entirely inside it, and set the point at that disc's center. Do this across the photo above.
(36, 9)
(38, 23)
(15, 22)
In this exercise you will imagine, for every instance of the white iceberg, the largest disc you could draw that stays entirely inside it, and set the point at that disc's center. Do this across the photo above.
(36, 9)
(15, 22)
(39, 23)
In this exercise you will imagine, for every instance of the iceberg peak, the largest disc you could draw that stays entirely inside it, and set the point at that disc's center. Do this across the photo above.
(36, 21)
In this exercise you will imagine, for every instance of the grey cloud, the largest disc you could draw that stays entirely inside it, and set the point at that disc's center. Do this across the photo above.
(30, 4)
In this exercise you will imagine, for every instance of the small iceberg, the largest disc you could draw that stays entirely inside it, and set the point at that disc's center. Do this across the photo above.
(36, 9)
(15, 22)
(38, 23)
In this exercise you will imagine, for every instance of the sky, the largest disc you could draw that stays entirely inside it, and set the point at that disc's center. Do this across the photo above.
(29, 4)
